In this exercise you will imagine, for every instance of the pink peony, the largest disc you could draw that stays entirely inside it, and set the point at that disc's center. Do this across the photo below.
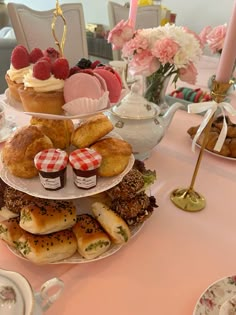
(120, 34)
(216, 38)
(188, 74)
(165, 50)
(143, 63)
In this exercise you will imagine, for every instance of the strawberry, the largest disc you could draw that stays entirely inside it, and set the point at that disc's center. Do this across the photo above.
(60, 68)
(20, 57)
(42, 70)
(52, 53)
(35, 55)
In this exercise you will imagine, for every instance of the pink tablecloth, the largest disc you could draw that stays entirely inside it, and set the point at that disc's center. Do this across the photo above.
(175, 256)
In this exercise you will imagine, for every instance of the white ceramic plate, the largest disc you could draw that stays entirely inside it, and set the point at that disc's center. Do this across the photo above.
(83, 205)
(13, 104)
(215, 295)
(33, 186)
(218, 155)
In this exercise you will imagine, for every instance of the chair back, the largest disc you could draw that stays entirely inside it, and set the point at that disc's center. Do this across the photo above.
(33, 29)
(147, 17)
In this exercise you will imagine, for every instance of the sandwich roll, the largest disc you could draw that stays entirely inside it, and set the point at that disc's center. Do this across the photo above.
(10, 231)
(91, 238)
(44, 249)
(114, 225)
(47, 216)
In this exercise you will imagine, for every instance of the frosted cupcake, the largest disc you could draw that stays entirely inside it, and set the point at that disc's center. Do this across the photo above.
(43, 86)
(20, 65)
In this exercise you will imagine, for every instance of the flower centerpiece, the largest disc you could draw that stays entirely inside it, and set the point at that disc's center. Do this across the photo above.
(158, 53)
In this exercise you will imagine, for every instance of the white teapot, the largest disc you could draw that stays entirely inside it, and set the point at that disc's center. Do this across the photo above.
(18, 298)
(139, 122)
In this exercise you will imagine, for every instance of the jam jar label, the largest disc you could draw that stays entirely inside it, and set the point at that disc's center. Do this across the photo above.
(50, 183)
(85, 182)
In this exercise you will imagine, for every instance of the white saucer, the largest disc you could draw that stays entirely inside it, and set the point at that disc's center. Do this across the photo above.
(7, 130)
(215, 295)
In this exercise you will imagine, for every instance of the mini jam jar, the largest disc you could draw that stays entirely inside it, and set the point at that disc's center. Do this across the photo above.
(85, 163)
(52, 166)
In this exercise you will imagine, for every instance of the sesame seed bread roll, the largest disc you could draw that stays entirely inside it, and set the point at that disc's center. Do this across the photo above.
(91, 238)
(44, 249)
(10, 231)
(114, 225)
(47, 216)
(90, 130)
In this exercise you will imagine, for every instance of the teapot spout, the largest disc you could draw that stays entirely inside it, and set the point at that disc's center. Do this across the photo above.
(169, 114)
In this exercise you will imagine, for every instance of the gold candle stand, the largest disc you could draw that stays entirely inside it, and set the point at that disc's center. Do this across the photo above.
(187, 198)
(58, 13)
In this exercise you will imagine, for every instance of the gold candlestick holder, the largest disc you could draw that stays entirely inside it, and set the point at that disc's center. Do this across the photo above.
(59, 13)
(187, 198)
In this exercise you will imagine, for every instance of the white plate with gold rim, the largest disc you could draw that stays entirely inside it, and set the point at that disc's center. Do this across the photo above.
(83, 205)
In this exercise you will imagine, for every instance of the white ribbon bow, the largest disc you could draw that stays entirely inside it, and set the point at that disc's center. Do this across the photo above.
(211, 108)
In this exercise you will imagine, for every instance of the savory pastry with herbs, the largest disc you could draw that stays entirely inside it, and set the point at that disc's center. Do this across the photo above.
(91, 238)
(112, 223)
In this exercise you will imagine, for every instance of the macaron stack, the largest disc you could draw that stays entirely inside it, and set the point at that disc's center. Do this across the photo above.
(191, 95)
(91, 87)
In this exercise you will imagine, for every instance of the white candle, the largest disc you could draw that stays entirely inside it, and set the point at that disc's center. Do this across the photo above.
(133, 12)
(228, 55)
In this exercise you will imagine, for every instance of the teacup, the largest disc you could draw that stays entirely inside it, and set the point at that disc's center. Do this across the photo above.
(18, 298)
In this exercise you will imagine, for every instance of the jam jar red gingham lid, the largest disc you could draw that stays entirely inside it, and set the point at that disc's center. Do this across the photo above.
(51, 160)
(85, 159)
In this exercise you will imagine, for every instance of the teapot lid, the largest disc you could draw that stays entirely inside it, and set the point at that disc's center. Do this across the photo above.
(16, 295)
(135, 106)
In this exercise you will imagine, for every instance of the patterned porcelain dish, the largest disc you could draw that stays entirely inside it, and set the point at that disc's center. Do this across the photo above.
(215, 298)
(18, 298)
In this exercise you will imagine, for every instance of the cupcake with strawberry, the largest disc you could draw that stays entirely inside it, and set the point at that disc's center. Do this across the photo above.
(43, 89)
(21, 63)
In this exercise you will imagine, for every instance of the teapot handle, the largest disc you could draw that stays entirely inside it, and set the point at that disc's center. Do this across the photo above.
(47, 299)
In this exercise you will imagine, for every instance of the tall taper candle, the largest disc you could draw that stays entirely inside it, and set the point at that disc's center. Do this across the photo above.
(133, 12)
(228, 55)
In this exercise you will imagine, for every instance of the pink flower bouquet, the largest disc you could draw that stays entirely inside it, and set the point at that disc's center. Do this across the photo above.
(159, 52)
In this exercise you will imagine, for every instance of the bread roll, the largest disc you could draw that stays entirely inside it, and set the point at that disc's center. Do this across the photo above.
(10, 231)
(19, 151)
(47, 216)
(91, 130)
(59, 131)
(114, 225)
(91, 238)
(115, 156)
(43, 249)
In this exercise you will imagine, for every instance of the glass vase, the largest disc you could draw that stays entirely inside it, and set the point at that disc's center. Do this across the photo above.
(155, 90)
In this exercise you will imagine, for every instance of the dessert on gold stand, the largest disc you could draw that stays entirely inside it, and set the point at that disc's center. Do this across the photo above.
(187, 198)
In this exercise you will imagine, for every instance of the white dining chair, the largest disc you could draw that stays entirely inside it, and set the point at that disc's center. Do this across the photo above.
(147, 17)
(33, 29)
